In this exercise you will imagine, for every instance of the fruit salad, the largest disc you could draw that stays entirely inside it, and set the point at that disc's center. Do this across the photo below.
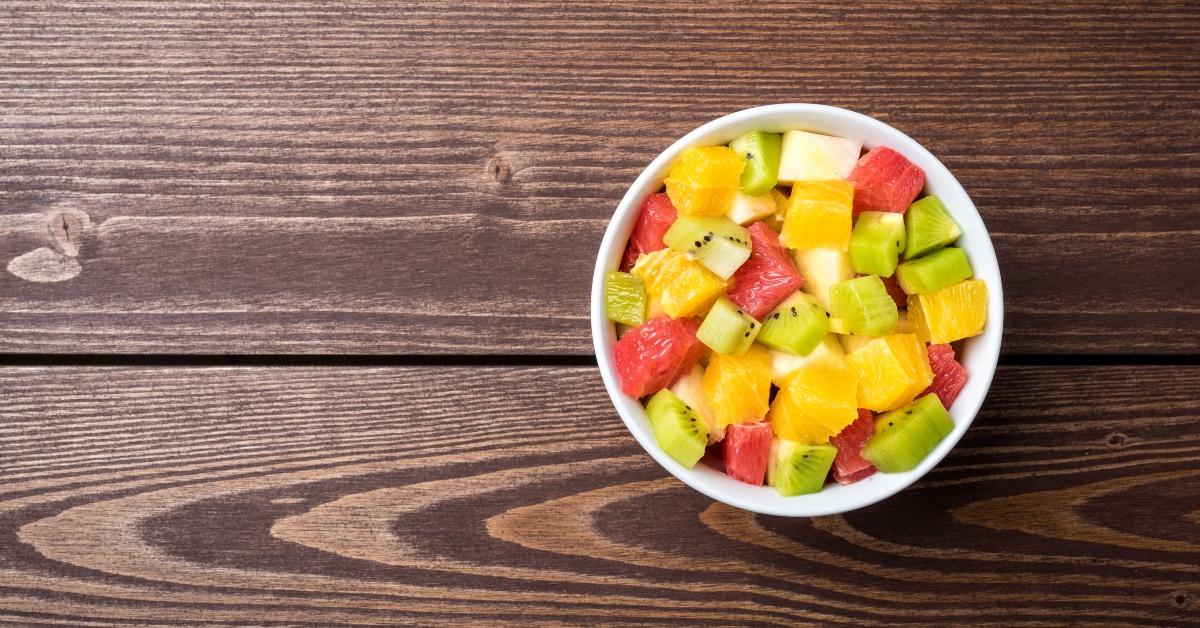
(790, 310)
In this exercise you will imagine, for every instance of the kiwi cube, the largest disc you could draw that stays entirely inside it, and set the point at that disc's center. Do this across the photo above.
(718, 243)
(932, 272)
(797, 326)
(903, 437)
(862, 306)
(727, 329)
(761, 150)
(876, 243)
(679, 430)
(625, 298)
(928, 226)
(796, 468)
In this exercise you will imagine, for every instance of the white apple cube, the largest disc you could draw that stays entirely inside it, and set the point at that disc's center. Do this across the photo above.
(828, 355)
(821, 268)
(747, 209)
(812, 157)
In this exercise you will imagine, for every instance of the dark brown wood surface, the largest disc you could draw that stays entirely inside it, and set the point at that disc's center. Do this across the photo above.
(381, 182)
(381, 177)
(393, 495)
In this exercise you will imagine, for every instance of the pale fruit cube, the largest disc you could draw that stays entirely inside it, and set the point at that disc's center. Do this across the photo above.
(819, 215)
(952, 313)
(891, 370)
(812, 157)
(828, 354)
(821, 269)
(851, 343)
(681, 286)
(747, 209)
(689, 389)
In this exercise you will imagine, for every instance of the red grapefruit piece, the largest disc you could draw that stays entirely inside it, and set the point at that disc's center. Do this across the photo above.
(885, 181)
(652, 356)
(895, 291)
(849, 466)
(747, 447)
(767, 278)
(656, 216)
(949, 376)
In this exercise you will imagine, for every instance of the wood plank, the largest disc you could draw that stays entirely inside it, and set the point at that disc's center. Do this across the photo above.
(514, 494)
(406, 178)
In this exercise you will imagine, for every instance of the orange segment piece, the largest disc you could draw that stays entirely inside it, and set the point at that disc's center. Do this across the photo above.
(704, 180)
(814, 404)
(819, 215)
(952, 313)
(737, 387)
(678, 285)
(891, 370)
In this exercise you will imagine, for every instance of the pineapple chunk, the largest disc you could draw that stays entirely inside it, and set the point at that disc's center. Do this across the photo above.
(679, 285)
(819, 215)
(892, 371)
(811, 157)
(952, 313)
(814, 404)
(821, 269)
(828, 355)
(852, 343)
(747, 209)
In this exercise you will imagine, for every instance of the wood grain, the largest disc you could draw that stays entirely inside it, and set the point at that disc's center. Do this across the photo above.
(367, 496)
(408, 178)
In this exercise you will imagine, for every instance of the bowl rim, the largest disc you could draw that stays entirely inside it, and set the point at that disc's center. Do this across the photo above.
(964, 409)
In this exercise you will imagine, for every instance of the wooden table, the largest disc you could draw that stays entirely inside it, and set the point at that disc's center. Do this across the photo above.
(326, 358)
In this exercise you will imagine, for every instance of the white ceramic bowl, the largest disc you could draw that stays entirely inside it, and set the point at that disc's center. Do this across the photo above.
(979, 355)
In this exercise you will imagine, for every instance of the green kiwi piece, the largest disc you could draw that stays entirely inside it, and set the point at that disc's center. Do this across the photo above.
(796, 468)
(761, 150)
(680, 432)
(797, 326)
(928, 227)
(718, 243)
(727, 329)
(905, 436)
(934, 271)
(862, 306)
(624, 298)
(876, 243)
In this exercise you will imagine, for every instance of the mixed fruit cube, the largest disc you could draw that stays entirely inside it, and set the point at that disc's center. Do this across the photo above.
(790, 305)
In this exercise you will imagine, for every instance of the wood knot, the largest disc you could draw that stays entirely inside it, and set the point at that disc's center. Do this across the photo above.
(497, 170)
(55, 237)
(67, 228)
(1116, 440)
(1181, 599)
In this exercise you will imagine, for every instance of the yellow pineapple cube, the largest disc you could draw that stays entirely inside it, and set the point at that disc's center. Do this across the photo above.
(679, 285)
(819, 215)
(814, 404)
(891, 370)
(952, 313)
(704, 180)
(737, 387)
